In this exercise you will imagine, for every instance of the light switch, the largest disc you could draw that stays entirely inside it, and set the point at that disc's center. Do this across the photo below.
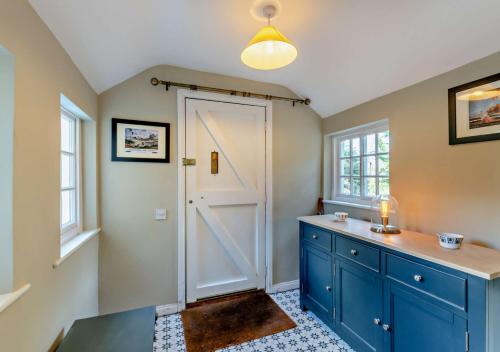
(161, 214)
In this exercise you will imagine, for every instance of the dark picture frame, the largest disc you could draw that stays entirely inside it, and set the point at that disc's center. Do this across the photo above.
(146, 143)
(452, 113)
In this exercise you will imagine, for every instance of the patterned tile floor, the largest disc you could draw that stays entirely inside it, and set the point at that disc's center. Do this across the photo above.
(310, 335)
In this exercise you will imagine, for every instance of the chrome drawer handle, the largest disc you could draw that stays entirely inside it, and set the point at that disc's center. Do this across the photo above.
(354, 252)
(328, 288)
(418, 278)
(315, 237)
(386, 327)
(377, 321)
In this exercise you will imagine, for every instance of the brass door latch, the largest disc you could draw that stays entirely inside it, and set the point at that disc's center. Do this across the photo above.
(188, 162)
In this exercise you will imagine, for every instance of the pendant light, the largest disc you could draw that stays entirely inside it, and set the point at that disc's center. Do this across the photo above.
(269, 49)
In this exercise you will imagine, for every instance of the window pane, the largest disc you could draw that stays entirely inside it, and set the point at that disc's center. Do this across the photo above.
(383, 185)
(383, 142)
(67, 207)
(355, 147)
(369, 166)
(355, 166)
(369, 144)
(67, 170)
(345, 185)
(345, 148)
(67, 134)
(370, 186)
(383, 164)
(345, 167)
(356, 186)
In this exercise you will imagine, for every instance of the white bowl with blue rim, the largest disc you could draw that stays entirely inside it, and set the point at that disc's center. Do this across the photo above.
(450, 240)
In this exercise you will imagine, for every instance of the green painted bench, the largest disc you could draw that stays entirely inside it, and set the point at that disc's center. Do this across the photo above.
(131, 331)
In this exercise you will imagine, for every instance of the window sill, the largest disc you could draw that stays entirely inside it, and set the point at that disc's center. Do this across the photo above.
(70, 247)
(8, 299)
(348, 204)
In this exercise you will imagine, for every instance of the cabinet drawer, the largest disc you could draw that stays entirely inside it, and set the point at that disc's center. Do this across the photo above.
(446, 287)
(318, 237)
(359, 253)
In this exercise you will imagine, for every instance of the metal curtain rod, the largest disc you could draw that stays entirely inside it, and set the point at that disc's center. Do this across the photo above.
(155, 81)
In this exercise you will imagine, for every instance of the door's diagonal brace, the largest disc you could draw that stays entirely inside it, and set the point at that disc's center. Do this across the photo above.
(225, 239)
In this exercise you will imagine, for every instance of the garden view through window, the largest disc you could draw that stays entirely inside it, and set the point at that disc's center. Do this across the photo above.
(362, 164)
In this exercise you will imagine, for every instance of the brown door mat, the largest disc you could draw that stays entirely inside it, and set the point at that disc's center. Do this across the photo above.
(221, 322)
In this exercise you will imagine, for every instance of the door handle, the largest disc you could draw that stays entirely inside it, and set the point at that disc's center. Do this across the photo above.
(377, 321)
(315, 237)
(418, 278)
(354, 252)
(386, 327)
(328, 288)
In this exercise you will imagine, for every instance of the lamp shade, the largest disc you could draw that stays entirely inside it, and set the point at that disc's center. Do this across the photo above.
(269, 49)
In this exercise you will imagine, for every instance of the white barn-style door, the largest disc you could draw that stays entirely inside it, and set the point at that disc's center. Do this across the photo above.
(225, 207)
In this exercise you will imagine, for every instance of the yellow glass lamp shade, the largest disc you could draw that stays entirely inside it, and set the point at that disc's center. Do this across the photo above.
(268, 50)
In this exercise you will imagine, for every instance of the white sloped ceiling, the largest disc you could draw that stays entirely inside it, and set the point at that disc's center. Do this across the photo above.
(350, 51)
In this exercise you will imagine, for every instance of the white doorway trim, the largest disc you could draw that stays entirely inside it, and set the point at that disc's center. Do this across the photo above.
(182, 95)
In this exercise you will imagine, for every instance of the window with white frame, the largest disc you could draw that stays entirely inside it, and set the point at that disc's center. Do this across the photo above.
(361, 163)
(7, 90)
(70, 175)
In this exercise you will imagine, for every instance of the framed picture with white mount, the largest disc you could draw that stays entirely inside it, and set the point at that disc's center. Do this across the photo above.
(474, 111)
(140, 141)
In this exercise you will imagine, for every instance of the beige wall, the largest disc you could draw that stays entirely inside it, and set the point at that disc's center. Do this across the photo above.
(138, 254)
(57, 297)
(439, 187)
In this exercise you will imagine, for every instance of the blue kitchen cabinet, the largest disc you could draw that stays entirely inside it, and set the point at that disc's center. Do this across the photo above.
(379, 299)
(316, 282)
(418, 324)
(359, 316)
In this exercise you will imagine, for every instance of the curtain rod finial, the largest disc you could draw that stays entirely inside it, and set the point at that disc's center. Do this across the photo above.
(155, 81)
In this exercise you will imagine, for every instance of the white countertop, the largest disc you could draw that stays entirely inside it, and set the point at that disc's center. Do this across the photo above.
(475, 260)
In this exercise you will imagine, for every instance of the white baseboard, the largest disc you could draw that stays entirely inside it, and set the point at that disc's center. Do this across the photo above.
(285, 286)
(167, 309)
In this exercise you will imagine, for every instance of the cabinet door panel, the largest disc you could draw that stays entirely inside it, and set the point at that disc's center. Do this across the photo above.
(360, 302)
(317, 280)
(418, 325)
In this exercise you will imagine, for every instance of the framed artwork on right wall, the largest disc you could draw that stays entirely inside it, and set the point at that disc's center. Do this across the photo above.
(474, 111)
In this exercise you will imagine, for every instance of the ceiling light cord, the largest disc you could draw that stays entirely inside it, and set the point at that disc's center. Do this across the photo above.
(269, 11)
